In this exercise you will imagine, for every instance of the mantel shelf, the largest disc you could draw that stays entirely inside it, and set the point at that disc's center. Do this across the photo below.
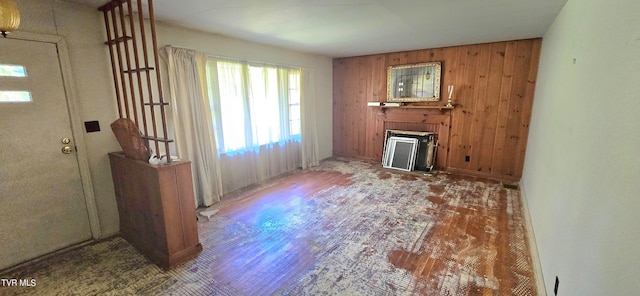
(417, 107)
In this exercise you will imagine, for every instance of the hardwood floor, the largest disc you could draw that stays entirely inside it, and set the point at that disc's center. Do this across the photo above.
(344, 228)
(475, 226)
(275, 214)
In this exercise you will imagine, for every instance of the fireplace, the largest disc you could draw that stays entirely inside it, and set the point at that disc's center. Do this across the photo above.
(409, 150)
(412, 120)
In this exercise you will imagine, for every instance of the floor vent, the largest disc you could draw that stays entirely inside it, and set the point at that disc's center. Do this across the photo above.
(510, 186)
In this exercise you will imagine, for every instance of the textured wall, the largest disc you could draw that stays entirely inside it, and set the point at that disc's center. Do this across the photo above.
(582, 166)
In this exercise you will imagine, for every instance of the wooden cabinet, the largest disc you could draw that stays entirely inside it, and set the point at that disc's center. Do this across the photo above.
(157, 209)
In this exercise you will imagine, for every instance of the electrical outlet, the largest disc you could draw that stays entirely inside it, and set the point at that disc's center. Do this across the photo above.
(467, 158)
(555, 288)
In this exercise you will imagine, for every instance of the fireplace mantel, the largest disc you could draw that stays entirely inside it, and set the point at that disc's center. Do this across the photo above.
(414, 121)
(417, 107)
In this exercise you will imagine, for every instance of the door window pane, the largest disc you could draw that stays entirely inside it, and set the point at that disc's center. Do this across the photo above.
(12, 71)
(15, 96)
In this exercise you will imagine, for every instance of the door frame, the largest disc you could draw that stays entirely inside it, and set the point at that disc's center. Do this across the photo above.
(74, 118)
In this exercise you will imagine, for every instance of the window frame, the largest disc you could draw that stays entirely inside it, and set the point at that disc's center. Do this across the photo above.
(217, 105)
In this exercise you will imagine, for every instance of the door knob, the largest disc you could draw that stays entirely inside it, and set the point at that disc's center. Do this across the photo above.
(67, 150)
(66, 141)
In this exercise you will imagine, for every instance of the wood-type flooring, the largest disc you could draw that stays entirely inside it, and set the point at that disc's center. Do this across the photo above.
(343, 228)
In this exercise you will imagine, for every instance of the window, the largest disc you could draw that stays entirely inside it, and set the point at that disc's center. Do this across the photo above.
(400, 153)
(14, 96)
(12, 71)
(8, 73)
(253, 105)
(294, 103)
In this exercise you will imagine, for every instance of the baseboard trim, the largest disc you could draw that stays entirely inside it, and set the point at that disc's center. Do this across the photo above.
(482, 175)
(533, 246)
(10, 269)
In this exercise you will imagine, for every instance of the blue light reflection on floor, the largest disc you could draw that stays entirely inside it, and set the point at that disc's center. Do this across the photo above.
(280, 216)
(273, 230)
(276, 221)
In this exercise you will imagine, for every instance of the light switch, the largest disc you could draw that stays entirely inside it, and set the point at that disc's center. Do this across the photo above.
(92, 126)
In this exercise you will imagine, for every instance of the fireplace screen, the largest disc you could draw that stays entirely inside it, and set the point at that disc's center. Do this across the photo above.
(400, 153)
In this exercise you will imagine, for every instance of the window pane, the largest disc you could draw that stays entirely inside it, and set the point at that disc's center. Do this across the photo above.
(294, 103)
(265, 109)
(295, 127)
(12, 71)
(294, 96)
(294, 87)
(294, 112)
(15, 96)
(294, 79)
(232, 106)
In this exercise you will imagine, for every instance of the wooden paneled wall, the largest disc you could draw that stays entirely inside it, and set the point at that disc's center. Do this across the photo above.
(493, 97)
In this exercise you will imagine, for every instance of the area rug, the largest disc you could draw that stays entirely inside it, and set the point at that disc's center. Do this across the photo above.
(343, 228)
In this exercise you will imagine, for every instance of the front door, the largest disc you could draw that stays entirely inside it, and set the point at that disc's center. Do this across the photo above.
(42, 204)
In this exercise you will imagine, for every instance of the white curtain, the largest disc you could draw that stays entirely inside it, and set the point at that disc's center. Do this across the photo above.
(192, 120)
(254, 134)
(308, 120)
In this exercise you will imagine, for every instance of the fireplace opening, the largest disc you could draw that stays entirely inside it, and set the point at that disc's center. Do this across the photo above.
(409, 150)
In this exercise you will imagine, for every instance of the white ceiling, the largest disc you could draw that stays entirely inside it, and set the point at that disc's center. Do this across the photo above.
(341, 28)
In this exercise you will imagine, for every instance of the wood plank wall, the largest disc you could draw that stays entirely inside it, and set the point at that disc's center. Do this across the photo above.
(494, 85)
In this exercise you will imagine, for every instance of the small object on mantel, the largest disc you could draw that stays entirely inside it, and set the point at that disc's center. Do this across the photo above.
(449, 102)
(374, 104)
(392, 104)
